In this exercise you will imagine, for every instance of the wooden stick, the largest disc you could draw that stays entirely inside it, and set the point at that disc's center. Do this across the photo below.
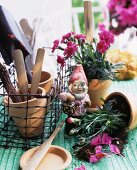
(26, 29)
(88, 20)
(37, 71)
(21, 72)
(4, 75)
(34, 161)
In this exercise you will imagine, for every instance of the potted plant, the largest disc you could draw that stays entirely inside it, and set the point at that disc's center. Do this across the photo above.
(99, 71)
(101, 132)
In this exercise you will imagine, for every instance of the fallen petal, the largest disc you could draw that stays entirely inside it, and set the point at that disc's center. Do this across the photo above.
(96, 141)
(82, 167)
(106, 139)
(93, 159)
(98, 149)
(114, 149)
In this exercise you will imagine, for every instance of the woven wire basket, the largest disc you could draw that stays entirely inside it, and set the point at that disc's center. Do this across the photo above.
(9, 132)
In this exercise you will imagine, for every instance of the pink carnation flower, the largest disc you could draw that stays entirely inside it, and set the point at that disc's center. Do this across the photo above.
(125, 14)
(106, 36)
(70, 49)
(66, 37)
(61, 60)
(81, 37)
(129, 14)
(55, 46)
(111, 5)
(102, 47)
(101, 26)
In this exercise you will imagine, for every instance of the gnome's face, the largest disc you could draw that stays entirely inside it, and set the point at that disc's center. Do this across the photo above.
(78, 87)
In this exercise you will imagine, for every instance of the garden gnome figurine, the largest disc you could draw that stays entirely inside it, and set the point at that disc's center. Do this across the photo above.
(77, 99)
(78, 87)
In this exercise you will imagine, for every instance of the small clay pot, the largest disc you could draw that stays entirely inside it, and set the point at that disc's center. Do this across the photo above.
(97, 90)
(28, 115)
(57, 158)
(46, 81)
(126, 103)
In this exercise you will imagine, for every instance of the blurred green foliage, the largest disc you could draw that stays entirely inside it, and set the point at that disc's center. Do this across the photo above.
(98, 17)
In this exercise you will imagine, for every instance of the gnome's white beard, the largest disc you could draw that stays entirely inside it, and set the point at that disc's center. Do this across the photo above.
(80, 96)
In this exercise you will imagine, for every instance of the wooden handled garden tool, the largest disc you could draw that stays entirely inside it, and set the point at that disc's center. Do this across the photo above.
(37, 71)
(21, 72)
(28, 31)
(88, 20)
(34, 161)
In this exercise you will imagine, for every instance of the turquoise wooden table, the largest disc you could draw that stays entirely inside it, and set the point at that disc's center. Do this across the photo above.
(9, 158)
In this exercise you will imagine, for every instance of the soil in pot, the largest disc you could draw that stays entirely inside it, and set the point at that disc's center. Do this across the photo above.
(121, 104)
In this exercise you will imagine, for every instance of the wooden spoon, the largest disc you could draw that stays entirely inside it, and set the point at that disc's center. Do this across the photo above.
(21, 72)
(37, 71)
(88, 20)
(34, 161)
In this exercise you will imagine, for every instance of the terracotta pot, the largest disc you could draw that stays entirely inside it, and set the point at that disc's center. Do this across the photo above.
(28, 115)
(97, 90)
(129, 106)
(57, 158)
(46, 81)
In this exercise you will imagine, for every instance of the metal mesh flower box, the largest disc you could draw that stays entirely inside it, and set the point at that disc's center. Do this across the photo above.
(9, 132)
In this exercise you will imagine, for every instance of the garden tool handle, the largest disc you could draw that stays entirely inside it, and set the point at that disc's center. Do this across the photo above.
(21, 72)
(34, 161)
(88, 20)
(37, 71)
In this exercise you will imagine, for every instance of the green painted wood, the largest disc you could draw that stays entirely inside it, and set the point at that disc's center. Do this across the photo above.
(9, 158)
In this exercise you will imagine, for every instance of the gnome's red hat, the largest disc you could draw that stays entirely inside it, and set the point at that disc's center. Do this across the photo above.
(78, 73)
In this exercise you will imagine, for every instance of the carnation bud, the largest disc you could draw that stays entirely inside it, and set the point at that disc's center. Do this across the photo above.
(69, 120)
(73, 120)
(82, 141)
(73, 132)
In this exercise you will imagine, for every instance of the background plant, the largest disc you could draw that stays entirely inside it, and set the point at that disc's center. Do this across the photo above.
(122, 15)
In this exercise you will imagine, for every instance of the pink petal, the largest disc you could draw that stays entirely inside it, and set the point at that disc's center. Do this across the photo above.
(56, 43)
(98, 149)
(106, 139)
(82, 167)
(93, 159)
(96, 141)
(114, 149)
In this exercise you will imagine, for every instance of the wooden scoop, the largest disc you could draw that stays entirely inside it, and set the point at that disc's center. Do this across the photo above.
(21, 72)
(36, 158)
(88, 20)
(37, 71)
